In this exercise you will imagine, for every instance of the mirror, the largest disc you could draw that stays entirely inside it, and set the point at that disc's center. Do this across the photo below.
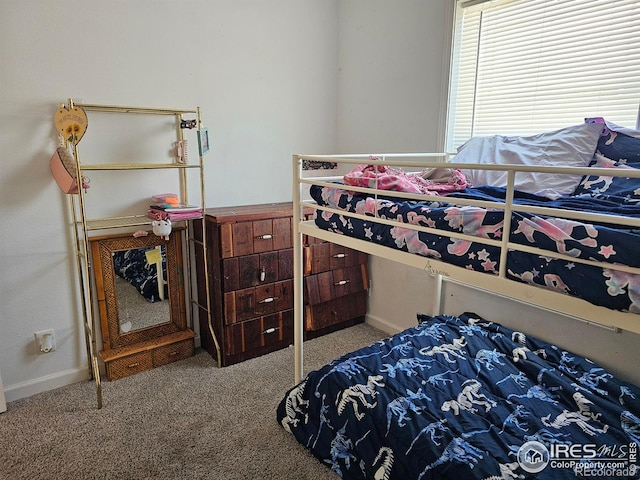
(139, 287)
(142, 292)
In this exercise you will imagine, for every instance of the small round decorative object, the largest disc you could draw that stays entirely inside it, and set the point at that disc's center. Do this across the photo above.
(162, 228)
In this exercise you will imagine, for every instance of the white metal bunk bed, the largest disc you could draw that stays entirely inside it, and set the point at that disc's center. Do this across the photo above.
(462, 396)
(497, 284)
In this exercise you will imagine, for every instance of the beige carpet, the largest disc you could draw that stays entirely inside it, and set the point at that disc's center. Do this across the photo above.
(187, 420)
(135, 312)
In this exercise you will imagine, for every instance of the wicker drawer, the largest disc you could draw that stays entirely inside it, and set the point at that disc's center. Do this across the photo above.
(247, 238)
(129, 365)
(324, 256)
(249, 303)
(336, 311)
(136, 358)
(172, 353)
(260, 333)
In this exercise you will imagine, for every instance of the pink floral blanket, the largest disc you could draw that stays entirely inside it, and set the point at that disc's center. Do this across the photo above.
(431, 181)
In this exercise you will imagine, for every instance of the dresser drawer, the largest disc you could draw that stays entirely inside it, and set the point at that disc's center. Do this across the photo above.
(257, 269)
(248, 303)
(173, 353)
(338, 310)
(326, 286)
(321, 257)
(259, 333)
(125, 366)
(257, 236)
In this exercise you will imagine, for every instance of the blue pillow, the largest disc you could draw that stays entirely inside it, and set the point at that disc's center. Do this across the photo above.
(627, 189)
(620, 147)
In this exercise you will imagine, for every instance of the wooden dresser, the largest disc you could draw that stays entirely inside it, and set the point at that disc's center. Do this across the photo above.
(250, 252)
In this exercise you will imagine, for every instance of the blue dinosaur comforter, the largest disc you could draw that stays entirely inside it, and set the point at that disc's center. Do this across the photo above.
(464, 398)
(132, 266)
(605, 287)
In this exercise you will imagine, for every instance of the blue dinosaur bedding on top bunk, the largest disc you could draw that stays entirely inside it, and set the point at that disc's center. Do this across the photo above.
(464, 398)
(609, 288)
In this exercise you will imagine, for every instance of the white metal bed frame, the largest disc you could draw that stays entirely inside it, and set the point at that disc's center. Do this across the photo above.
(495, 284)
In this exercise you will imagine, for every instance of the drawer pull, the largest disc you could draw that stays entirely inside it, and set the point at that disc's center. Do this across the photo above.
(265, 237)
(340, 255)
(267, 300)
(340, 283)
(133, 365)
(175, 352)
(269, 330)
(263, 275)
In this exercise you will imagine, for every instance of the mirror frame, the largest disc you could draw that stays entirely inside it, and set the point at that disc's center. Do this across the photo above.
(102, 249)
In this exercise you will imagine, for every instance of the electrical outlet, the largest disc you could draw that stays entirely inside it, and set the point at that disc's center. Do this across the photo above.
(46, 341)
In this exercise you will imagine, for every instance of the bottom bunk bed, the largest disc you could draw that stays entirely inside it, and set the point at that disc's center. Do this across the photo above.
(465, 398)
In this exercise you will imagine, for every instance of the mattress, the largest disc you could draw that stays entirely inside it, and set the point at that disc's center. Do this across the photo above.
(606, 243)
(465, 398)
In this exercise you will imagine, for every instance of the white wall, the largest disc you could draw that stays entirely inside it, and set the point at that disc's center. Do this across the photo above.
(264, 74)
(392, 76)
(392, 89)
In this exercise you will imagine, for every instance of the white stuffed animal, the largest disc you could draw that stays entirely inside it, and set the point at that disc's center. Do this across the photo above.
(162, 228)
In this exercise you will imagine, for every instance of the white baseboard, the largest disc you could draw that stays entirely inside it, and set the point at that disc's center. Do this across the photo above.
(55, 380)
(382, 324)
(42, 384)
(3, 403)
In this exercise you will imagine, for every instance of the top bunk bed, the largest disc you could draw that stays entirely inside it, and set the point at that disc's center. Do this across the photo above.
(552, 220)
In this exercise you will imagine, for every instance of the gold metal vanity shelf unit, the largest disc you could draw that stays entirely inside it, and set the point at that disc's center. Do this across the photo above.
(160, 349)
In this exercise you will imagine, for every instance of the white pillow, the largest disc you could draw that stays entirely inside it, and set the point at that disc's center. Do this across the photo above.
(571, 146)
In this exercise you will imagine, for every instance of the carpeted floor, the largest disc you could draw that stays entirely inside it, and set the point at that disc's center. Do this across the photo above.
(187, 420)
(134, 311)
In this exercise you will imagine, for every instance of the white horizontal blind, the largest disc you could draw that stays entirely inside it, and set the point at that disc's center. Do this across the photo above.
(528, 66)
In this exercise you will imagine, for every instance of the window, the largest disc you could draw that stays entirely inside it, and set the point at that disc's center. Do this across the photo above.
(527, 66)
